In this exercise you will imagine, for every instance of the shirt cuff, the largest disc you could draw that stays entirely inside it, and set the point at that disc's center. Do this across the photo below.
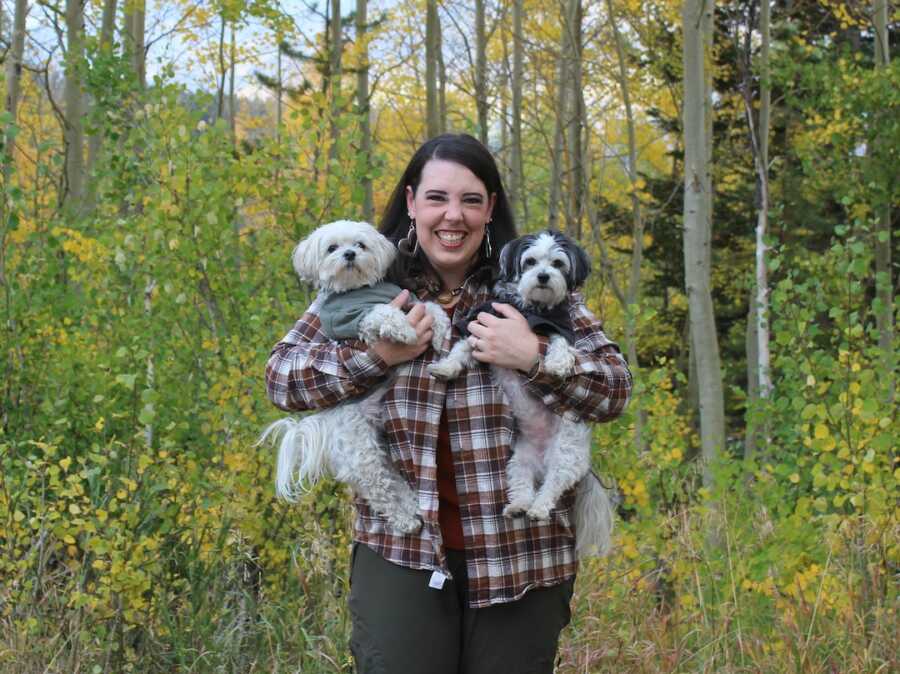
(363, 363)
(538, 366)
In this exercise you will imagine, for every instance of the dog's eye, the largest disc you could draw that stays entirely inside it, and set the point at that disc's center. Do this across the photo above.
(530, 262)
(558, 264)
(361, 245)
(332, 248)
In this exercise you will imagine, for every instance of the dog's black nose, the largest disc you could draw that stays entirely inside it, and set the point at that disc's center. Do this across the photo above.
(543, 278)
(349, 255)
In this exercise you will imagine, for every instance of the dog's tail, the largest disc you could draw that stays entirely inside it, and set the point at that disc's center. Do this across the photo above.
(593, 518)
(302, 454)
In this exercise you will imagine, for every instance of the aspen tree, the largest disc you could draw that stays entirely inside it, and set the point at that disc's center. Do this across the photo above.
(432, 110)
(884, 287)
(14, 75)
(74, 118)
(697, 22)
(362, 104)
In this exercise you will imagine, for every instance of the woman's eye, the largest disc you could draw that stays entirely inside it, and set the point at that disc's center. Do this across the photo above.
(332, 248)
(361, 245)
(530, 261)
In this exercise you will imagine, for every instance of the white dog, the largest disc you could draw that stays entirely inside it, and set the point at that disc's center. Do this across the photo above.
(537, 272)
(347, 262)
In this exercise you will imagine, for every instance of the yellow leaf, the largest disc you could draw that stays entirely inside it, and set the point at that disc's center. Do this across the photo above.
(822, 431)
(795, 478)
(18, 516)
(65, 463)
(74, 509)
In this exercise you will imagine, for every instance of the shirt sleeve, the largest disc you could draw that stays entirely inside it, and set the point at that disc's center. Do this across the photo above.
(306, 370)
(599, 387)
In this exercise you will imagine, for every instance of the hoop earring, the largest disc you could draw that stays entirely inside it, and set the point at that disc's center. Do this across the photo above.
(487, 242)
(410, 245)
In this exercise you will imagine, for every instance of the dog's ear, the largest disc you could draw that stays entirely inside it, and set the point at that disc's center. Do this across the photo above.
(305, 257)
(382, 248)
(579, 263)
(509, 260)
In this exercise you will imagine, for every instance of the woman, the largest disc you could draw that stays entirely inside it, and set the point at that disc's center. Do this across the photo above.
(473, 591)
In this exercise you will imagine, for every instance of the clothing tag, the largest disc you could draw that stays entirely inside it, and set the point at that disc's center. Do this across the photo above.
(437, 580)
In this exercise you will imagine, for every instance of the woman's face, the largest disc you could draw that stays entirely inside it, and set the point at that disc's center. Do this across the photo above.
(451, 208)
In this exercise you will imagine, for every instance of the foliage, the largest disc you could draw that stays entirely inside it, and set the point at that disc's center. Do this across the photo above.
(138, 526)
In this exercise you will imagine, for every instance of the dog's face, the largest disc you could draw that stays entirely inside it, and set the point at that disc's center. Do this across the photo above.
(343, 255)
(544, 267)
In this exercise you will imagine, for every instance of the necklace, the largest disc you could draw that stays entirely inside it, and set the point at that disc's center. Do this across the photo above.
(446, 296)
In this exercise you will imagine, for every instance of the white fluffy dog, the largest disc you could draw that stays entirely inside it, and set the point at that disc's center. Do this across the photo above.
(537, 272)
(347, 262)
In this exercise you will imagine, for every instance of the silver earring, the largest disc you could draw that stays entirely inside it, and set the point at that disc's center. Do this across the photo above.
(410, 245)
(487, 241)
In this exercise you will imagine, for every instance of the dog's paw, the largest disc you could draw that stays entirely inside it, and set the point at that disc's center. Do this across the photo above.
(401, 332)
(408, 524)
(514, 510)
(539, 512)
(441, 326)
(560, 358)
(444, 370)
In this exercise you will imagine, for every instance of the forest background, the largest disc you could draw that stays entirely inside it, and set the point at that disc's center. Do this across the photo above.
(730, 167)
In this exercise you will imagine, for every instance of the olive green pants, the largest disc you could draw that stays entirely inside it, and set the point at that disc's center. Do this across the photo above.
(402, 626)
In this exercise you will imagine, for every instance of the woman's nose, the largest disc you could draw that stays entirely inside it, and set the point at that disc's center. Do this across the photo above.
(454, 211)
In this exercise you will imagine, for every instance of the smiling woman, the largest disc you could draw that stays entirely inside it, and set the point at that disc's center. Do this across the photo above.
(476, 589)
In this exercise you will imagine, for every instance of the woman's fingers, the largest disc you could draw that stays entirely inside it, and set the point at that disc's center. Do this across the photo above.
(400, 300)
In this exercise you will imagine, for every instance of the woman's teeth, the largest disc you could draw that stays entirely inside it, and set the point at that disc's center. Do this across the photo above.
(451, 237)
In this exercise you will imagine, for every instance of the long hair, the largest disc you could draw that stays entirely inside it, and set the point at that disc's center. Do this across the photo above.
(467, 151)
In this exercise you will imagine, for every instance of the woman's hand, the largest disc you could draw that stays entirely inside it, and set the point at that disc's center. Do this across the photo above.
(394, 353)
(507, 342)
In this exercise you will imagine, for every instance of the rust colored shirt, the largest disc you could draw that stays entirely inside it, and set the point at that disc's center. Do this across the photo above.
(504, 557)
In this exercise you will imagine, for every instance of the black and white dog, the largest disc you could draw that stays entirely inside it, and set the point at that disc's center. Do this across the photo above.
(537, 272)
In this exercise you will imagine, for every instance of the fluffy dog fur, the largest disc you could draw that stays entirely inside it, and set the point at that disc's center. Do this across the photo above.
(536, 274)
(344, 441)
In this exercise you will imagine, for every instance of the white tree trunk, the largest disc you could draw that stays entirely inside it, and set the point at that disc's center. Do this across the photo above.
(573, 118)
(697, 22)
(517, 182)
(884, 285)
(335, 70)
(633, 293)
(362, 102)
(137, 30)
(559, 126)
(481, 72)
(279, 95)
(14, 75)
(74, 120)
(432, 110)
(758, 358)
(232, 101)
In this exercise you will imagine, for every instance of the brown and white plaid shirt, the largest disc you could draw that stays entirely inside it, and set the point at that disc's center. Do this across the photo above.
(505, 557)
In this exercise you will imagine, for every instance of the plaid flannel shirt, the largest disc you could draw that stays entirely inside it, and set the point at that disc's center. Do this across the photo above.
(505, 557)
